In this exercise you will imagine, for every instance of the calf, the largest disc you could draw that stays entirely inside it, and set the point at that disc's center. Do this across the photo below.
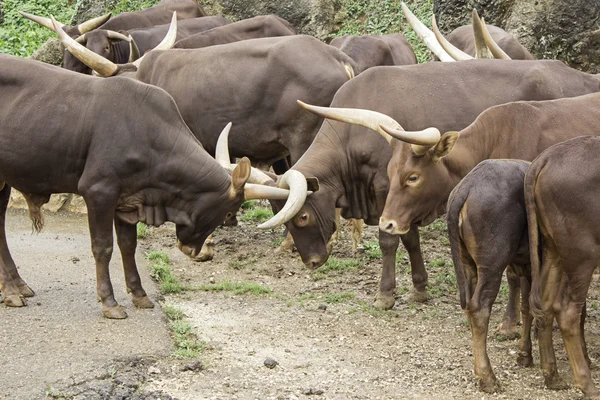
(562, 188)
(373, 50)
(487, 225)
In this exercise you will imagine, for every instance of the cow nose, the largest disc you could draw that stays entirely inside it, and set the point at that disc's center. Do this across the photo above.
(388, 225)
(314, 262)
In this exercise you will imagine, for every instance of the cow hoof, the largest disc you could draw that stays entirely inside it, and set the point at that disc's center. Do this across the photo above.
(114, 312)
(26, 291)
(507, 331)
(383, 302)
(418, 296)
(555, 382)
(14, 300)
(489, 386)
(285, 248)
(205, 255)
(142, 302)
(525, 360)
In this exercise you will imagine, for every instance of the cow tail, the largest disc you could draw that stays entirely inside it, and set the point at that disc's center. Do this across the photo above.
(456, 202)
(535, 245)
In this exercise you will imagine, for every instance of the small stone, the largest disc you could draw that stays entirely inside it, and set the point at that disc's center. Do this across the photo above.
(312, 392)
(323, 307)
(270, 363)
(211, 280)
(153, 370)
(193, 366)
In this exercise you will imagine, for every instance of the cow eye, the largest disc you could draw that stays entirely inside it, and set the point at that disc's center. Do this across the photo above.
(413, 179)
(229, 214)
(303, 219)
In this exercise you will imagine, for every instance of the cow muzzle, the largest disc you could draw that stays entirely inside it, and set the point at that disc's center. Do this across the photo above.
(391, 227)
(315, 262)
(188, 250)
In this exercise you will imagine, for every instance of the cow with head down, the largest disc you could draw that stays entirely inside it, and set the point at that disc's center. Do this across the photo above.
(140, 164)
(351, 162)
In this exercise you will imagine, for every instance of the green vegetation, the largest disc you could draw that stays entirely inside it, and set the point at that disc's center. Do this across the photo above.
(236, 287)
(187, 344)
(160, 271)
(142, 230)
(257, 214)
(359, 17)
(372, 250)
(339, 297)
(339, 264)
(131, 5)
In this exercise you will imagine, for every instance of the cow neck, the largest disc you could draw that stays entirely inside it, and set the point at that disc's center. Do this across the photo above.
(120, 51)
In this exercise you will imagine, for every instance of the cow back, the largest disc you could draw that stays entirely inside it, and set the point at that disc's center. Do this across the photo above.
(462, 37)
(155, 15)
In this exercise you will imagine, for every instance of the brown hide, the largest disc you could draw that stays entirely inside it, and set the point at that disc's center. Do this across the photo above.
(562, 188)
(487, 226)
(373, 50)
(462, 37)
(119, 143)
(255, 85)
(251, 28)
(519, 130)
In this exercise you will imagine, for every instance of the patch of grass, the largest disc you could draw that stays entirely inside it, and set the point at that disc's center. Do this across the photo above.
(241, 263)
(360, 17)
(160, 271)
(438, 262)
(249, 204)
(187, 344)
(339, 297)
(257, 214)
(277, 242)
(58, 394)
(503, 292)
(439, 225)
(131, 5)
(376, 312)
(339, 264)
(372, 250)
(142, 230)
(237, 287)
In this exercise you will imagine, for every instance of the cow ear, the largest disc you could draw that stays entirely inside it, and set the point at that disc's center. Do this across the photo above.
(240, 175)
(445, 145)
(312, 184)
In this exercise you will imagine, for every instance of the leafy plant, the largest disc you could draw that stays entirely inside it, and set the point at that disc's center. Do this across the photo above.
(160, 271)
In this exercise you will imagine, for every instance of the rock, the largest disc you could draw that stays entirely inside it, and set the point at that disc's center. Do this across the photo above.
(153, 370)
(270, 363)
(50, 52)
(312, 392)
(323, 307)
(552, 29)
(193, 366)
(310, 17)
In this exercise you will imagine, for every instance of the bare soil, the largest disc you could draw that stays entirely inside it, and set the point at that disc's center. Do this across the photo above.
(319, 328)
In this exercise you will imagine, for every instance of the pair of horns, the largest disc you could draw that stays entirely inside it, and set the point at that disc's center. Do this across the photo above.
(81, 28)
(446, 51)
(101, 65)
(386, 126)
(292, 185)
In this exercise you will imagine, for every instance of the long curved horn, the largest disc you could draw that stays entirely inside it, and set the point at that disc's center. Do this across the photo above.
(296, 183)
(496, 51)
(134, 51)
(92, 23)
(224, 160)
(448, 47)
(117, 36)
(420, 141)
(256, 192)
(96, 62)
(81, 39)
(47, 22)
(426, 35)
(165, 44)
(481, 49)
(367, 118)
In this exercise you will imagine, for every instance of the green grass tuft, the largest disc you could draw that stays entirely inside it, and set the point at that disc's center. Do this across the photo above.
(339, 297)
(160, 271)
(258, 214)
(187, 344)
(142, 230)
(236, 287)
(339, 264)
(372, 250)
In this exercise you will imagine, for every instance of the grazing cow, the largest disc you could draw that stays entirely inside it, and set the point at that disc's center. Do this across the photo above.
(124, 147)
(562, 188)
(487, 225)
(251, 28)
(157, 15)
(463, 38)
(373, 50)
(351, 163)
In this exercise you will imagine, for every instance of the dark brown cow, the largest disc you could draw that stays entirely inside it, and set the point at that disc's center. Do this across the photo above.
(351, 162)
(251, 28)
(373, 50)
(562, 188)
(157, 15)
(463, 38)
(487, 225)
(124, 147)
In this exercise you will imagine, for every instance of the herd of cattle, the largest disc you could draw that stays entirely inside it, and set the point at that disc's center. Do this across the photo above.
(355, 125)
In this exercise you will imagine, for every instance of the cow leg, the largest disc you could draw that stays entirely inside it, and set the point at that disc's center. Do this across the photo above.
(208, 249)
(8, 279)
(551, 280)
(478, 313)
(336, 235)
(582, 324)
(101, 210)
(525, 359)
(127, 241)
(508, 326)
(411, 242)
(287, 246)
(387, 285)
(569, 315)
(357, 232)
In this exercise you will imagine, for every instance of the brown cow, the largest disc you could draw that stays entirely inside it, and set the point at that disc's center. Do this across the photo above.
(562, 188)
(463, 38)
(487, 225)
(251, 28)
(373, 50)
(351, 163)
(140, 164)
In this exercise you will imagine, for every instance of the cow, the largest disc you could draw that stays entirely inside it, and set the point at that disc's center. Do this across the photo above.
(251, 28)
(373, 50)
(463, 38)
(351, 163)
(157, 15)
(561, 195)
(124, 147)
(487, 226)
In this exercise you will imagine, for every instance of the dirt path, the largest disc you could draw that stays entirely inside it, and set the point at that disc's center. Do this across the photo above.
(327, 340)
